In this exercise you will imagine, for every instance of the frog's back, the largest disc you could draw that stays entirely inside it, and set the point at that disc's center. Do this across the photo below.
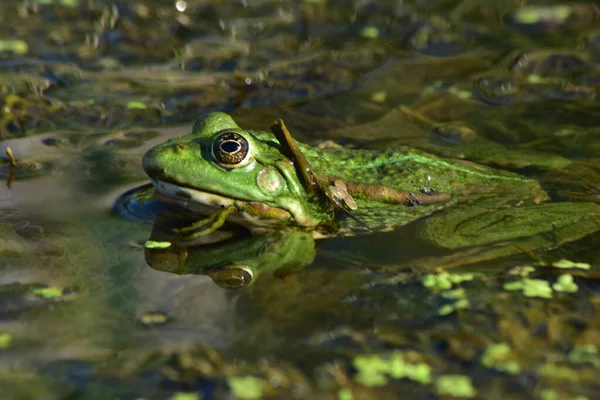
(393, 187)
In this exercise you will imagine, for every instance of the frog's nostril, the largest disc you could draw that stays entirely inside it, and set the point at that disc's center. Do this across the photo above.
(180, 147)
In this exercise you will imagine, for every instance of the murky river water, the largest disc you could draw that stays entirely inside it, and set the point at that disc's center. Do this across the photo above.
(89, 86)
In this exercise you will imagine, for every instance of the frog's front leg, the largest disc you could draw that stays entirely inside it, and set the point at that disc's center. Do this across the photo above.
(204, 226)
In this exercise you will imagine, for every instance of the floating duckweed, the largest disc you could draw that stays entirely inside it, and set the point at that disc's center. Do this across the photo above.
(151, 244)
(5, 340)
(446, 309)
(450, 308)
(531, 287)
(371, 379)
(444, 280)
(345, 394)
(458, 278)
(440, 282)
(550, 394)
(379, 97)
(16, 46)
(51, 292)
(399, 368)
(185, 396)
(460, 93)
(535, 79)
(565, 284)
(246, 387)
(372, 369)
(455, 385)
(496, 355)
(153, 318)
(455, 294)
(559, 372)
(534, 14)
(570, 264)
(522, 271)
(138, 105)
(586, 353)
(370, 32)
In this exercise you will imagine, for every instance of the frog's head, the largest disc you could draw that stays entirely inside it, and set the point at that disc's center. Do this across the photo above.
(220, 164)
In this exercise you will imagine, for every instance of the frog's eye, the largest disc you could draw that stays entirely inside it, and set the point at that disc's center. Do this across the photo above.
(232, 276)
(231, 150)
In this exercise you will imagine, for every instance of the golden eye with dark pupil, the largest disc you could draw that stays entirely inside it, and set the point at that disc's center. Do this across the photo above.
(230, 148)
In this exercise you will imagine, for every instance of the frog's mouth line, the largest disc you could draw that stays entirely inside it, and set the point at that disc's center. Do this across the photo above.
(184, 193)
(207, 202)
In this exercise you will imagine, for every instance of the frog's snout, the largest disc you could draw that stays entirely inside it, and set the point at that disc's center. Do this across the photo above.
(156, 173)
(151, 168)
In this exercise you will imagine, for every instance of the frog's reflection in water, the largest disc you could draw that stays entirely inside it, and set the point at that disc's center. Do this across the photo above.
(231, 257)
(280, 291)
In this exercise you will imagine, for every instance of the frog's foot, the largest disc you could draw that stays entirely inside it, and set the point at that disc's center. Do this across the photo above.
(205, 226)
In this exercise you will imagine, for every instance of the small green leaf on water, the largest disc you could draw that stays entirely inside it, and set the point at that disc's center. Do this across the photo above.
(370, 32)
(455, 294)
(559, 372)
(565, 284)
(5, 340)
(433, 281)
(185, 396)
(494, 352)
(548, 394)
(522, 271)
(455, 385)
(533, 14)
(458, 278)
(498, 356)
(461, 303)
(420, 373)
(51, 292)
(535, 79)
(446, 309)
(246, 387)
(151, 244)
(370, 363)
(580, 353)
(585, 353)
(444, 280)
(570, 264)
(345, 394)
(16, 46)
(153, 318)
(371, 379)
(531, 287)
(379, 97)
(450, 308)
(460, 93)
(136, 105)
(372, 369)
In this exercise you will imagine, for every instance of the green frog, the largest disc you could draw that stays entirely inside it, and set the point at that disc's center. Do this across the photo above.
(221, 173)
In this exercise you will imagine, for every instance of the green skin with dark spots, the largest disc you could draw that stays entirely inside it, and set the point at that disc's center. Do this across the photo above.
(267, 189)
